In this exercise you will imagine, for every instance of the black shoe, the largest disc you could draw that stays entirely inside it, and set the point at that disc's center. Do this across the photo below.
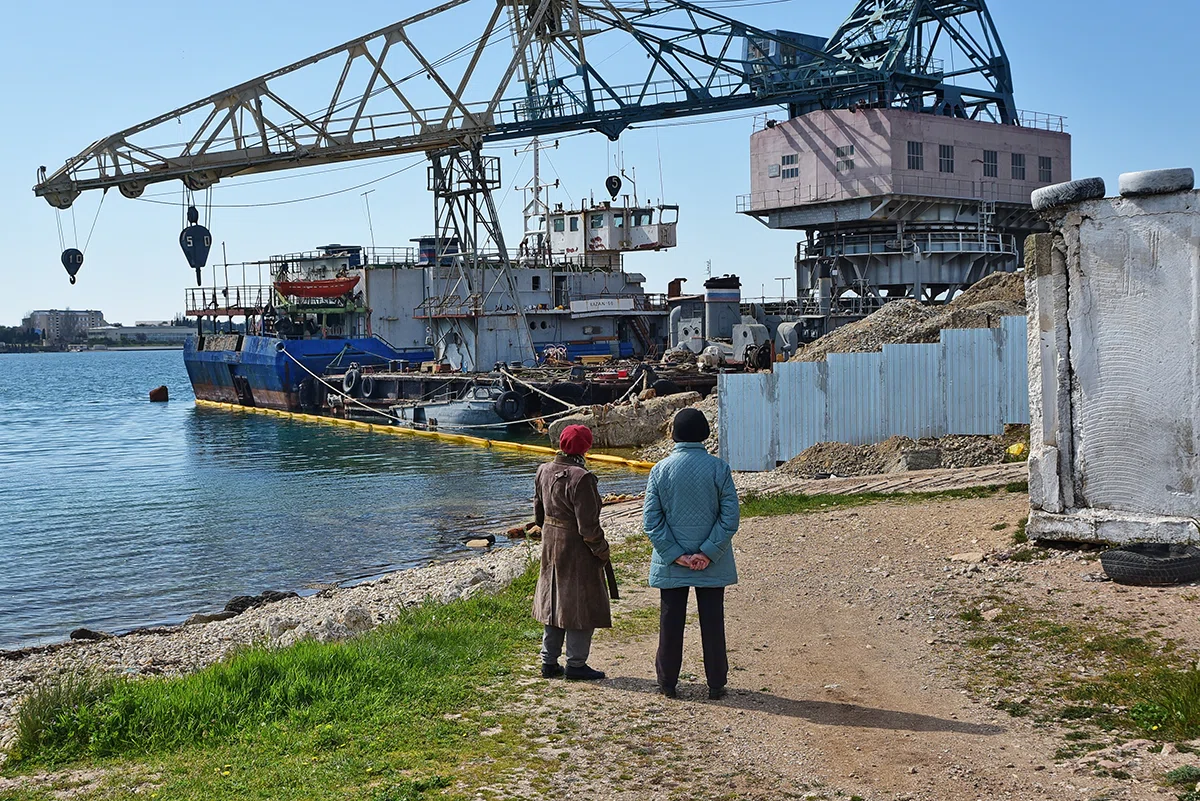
(584, 673)
(551, 671)
(717, 693)
(670, 692)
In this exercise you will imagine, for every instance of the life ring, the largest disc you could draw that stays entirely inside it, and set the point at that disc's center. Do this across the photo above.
(367, 388)
(350, 381)
(510, 406)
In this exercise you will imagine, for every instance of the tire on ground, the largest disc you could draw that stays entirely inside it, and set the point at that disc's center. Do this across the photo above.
(1064, 194)
(1156, 182)
(1152, 564)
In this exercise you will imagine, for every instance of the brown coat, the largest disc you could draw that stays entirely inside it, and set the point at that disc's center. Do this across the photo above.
(571, 591)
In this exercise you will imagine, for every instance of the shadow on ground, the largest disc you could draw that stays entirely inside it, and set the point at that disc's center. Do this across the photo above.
(825, 713)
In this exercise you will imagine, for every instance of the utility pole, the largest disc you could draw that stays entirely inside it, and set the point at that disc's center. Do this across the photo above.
(370, 226)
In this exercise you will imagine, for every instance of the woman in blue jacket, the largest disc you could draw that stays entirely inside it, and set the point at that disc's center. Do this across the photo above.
(691, 514)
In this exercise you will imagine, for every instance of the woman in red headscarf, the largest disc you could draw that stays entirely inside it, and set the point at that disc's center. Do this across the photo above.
(571, 601)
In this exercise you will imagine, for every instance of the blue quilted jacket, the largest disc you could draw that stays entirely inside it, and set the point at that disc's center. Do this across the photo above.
(691, 507)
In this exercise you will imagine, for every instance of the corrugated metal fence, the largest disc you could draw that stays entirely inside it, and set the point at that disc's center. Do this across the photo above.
(972, 382)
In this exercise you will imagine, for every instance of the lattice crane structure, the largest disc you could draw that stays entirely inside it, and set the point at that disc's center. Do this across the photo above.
(540, 68)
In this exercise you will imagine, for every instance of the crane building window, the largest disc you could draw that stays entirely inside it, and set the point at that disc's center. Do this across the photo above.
(597, 221)
(559, 225)
(789, 159)
(1018, 166)
(845, 158)
(1045, 169)
(790, 172)
(991, 164)
(574, 223)
(537, 283)
(945, 158)
(916, 155)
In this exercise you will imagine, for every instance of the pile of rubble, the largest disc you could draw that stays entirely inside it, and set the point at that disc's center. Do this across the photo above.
(907, 321)
(662, 448)
(901, 454)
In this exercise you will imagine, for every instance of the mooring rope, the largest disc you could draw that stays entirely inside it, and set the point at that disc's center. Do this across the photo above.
(352, 399)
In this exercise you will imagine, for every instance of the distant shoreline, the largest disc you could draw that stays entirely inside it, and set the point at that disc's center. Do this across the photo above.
(119, 348)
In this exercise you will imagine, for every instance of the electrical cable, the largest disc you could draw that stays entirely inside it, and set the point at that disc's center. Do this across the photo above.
(294, 200)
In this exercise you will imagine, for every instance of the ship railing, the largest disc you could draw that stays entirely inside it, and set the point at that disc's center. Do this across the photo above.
(234, 300)
(930, 242)
(1042, 121)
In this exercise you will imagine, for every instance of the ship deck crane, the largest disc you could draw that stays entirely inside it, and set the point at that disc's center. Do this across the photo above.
(383, 94)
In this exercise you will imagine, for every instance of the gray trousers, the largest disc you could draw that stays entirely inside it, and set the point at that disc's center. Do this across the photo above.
(579, 645)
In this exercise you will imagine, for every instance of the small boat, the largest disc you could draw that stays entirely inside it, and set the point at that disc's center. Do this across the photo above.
(324, 288)
(479, 407)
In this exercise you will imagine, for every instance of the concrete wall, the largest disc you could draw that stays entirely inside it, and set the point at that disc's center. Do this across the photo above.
(880, 139)
(1115, 371)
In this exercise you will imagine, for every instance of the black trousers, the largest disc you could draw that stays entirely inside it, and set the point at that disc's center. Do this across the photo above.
(671, 621)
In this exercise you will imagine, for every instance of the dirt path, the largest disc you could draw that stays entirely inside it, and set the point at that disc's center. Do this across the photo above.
(842, 636)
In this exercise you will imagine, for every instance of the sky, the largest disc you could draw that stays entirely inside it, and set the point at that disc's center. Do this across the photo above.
(76, 71)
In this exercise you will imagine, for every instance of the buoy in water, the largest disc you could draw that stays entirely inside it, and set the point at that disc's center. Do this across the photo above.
(72, 260)
(158, 395)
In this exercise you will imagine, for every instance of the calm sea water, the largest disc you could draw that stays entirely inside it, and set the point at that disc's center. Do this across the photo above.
(117, 513)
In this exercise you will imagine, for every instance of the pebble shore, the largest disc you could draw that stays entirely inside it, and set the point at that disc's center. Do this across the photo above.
(332, 614)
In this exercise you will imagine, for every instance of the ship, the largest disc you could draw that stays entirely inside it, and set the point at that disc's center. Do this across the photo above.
(367, 332)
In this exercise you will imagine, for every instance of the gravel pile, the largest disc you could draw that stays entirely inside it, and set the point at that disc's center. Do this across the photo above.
(997, 287)
(661, 449)
(827, 459)
(907, 321)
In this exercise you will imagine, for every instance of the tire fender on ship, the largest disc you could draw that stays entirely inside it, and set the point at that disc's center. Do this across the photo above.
(350, 381)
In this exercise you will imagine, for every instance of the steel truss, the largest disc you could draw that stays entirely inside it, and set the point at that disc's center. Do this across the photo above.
(911, 42)
(385, 95)
(468, 247)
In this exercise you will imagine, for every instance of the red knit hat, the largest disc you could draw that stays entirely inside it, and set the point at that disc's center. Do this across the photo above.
(575, 440)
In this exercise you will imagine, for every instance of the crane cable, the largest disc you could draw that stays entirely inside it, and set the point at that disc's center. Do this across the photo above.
(294, 200)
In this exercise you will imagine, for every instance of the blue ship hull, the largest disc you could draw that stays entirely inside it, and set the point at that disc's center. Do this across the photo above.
(263, 371)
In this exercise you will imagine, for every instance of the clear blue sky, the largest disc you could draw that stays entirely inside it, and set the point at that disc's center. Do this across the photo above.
(75, 71)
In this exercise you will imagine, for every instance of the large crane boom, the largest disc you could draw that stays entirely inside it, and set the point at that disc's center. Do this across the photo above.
(555, 77)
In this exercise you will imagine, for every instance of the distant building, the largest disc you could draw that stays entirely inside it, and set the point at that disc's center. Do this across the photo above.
(63, 325)
(142, 334)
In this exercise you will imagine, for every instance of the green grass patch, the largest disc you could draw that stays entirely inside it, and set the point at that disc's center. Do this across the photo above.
(1020, 537)
(393, 715)
(1183, 776)
(1017, 487)
(754, 505)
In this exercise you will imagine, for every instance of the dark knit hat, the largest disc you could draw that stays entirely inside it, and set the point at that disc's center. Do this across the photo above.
(690, 425)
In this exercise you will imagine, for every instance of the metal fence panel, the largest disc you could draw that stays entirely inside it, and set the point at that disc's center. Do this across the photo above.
(1016, 370)
(803, 406)
(857, 414)
(746, 421)
(914, 384)
(974, 381)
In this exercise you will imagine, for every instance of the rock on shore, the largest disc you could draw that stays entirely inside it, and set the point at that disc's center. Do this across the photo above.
(638, 423)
